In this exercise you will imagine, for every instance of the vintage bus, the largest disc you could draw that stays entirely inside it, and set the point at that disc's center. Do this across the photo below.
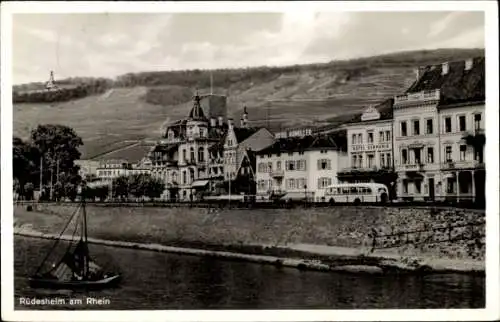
(354, 193)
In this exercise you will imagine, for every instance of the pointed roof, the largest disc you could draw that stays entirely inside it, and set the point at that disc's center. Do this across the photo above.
(242, 133)
(196, 113)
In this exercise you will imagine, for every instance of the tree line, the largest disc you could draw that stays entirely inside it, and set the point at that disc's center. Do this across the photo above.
(46, 161)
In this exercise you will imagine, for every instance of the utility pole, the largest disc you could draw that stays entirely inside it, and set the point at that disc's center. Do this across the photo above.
(41, 176)
(229, 201)
(51, 181)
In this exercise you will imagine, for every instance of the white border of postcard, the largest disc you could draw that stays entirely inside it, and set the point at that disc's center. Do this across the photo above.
(491, 312)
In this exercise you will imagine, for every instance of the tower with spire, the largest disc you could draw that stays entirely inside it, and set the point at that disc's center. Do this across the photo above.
(197, 123)
(51, 84)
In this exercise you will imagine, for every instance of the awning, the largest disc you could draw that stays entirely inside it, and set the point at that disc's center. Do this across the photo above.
(199, 184)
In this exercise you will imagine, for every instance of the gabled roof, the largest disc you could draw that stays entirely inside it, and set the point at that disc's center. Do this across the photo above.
(457, 85)
(295, 144)
(242, 133)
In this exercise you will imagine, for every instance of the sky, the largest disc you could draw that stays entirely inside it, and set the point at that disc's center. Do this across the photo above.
(108, 45)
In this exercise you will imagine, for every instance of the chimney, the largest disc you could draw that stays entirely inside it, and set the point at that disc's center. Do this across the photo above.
(213, 122)
(230, 123)
(419, 72)
(468, 64)
(444, 68)
(221, 121)
(242, 122)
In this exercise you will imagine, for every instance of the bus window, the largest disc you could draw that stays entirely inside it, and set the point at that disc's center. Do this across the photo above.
(368, 190)
(354, 190)
(345, 191)
(339, 191)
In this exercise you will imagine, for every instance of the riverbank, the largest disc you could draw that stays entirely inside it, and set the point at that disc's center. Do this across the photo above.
(307, 257)
(332, 237)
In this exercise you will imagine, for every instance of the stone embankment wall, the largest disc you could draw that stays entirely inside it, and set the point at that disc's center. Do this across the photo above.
(337, 226)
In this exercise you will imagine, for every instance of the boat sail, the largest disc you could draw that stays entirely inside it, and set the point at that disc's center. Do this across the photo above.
(76, 268)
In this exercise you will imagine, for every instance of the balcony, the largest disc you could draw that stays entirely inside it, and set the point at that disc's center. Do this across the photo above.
(277, 173)
(459, 165)
(422, 96)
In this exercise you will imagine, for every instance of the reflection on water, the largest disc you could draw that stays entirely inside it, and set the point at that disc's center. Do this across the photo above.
(154, 280)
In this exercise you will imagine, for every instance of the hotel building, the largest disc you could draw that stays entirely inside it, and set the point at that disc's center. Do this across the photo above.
(370, 147)
(299, 164)
(439, 133)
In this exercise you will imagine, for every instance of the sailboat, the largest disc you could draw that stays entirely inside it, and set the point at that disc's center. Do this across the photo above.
(76, 269)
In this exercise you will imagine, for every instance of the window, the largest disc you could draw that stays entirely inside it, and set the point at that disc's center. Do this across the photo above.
(371, 159)
(324, 164)
(428, 127)
(184, 177)
(403, 129)
(382, 160)
(360, 138)
(184, 154)
(404, 156)
(447, 124)
(302, 165)
(448, 154)
(354, 139)
(430, 155)
(416, 127)
(370, 137)
(291, 183)
(354, 161)
(381, 136)
(360, 161)
(387, 136)
(477, 121)
(463, 150)
(418, 186)
(192, 154)
(389, 159)
(201, 132)
(418, 160)
(290, 165)
(324, 182)
(450, 185)
(462, 123)
(278, 165)
(270, 166)
(201, 155)
(405, 186)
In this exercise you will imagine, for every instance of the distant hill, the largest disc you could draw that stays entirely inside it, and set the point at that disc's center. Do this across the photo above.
(136, 106)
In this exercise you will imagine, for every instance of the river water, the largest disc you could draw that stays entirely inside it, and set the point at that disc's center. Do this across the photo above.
(153, 280)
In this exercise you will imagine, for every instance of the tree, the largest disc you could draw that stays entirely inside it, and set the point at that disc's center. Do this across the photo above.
(120, 187)
(154, 187)
(25, 162)
(58, 145)
(477, 141)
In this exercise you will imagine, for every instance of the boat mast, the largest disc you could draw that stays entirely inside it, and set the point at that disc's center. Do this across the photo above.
(84, 234)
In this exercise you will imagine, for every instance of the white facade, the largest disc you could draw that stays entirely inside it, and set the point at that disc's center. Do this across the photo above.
(430, 150)
(307, 171)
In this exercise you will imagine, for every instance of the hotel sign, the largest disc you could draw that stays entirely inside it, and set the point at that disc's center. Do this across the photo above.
(370, 114)
(371, 147)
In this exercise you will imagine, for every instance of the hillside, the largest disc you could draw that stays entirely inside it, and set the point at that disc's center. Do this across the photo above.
(138, 105)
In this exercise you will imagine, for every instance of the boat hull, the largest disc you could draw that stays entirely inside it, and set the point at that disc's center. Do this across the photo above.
(37, 282)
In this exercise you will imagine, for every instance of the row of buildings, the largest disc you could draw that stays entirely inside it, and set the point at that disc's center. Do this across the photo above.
(425, 144)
